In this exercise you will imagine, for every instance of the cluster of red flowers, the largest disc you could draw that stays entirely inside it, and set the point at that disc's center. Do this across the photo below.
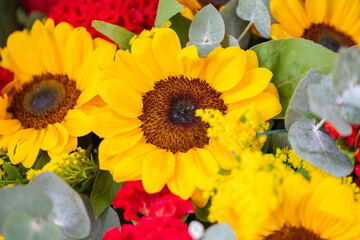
(133, 15)
(5, 77)
(161, 214)
(350, 141)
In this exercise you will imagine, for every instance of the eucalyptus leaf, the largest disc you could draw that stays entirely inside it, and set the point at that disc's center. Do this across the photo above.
(351, 96)
(103, 192)
(298, 104)
(234, 25)
(229, 41)
(207, 30)
(20, 225)
(350, 113)
(166, 9)
(256, 12)
(219, 231)
(323, 102)
(68, 212)
(289, 60)
(318, 148)
(118, 34)
(25, 199)
(346, 74)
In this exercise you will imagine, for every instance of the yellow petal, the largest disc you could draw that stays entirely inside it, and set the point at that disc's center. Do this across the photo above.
(316, 10)
(158, 167)
(127, 104)
(253, 82)
(77, 123)
(190, 64)
(63, 138)
(61, 33)
(252, 59)
(50, 139)
(179, 184)
(271, 88)
(141, 50)
(20, 144)
(107, 123)
(34, 150)
(9, 126)
(69, 147)
(166, 47)
(5, 141)
(199, 199)
(223, 155)
(278, 32)
(226, 69)
(120, 142)
(201, 167)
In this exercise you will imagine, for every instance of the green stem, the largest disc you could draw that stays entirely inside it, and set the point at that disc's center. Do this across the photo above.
(271, 132)
(245, 31)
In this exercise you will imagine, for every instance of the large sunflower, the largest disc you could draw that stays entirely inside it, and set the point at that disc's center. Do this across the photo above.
(322, 209)
(327, 22)
(149, 127)
(47, 105)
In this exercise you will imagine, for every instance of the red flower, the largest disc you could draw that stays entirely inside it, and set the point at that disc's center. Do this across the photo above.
(332, 131)
(134, 199)
(349, 140)
(160, 228)
(5, 77)
(134, 15)
(39, 5)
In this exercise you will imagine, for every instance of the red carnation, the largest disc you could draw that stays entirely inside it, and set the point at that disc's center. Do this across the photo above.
(171, 205)
(332, 131)
(5, 77)
(39, 5)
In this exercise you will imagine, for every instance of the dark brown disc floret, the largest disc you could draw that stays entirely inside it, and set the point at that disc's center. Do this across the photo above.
(168, 113)
(293, 233)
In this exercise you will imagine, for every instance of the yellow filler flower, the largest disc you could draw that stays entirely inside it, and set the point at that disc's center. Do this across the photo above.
(149, 127)
(323, 209)
(327, 22)
(53, 93)
(194, 6)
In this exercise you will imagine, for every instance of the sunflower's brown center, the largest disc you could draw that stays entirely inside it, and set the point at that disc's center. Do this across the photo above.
(168, 118)
(44, 100)
(216, 3)
(293, 233)
(328, 36)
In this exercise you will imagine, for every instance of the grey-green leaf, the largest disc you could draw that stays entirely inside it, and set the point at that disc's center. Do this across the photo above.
(207, 30)
(298, 104)
(289, 60)
(219, 231)
(25, 199)
(255, 11)
(20, 225)
(118, 34)
(350, 113)
(166, 9)
(103, 192)
(323, 103)
(69, 211)
(318, 148)
(229, 41)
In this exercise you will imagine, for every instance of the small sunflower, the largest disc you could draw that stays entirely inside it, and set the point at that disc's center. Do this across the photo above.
(322, 209)
(47, 105)
(194, 6)
(330, 23)
(149, 127)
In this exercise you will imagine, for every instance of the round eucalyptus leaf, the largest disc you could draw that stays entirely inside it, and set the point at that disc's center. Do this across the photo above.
(350, 113)
(318, 148)
(20, 225)
(25, 199)
(204, 48)
(220, 231)
(68, 211)
(229, 41)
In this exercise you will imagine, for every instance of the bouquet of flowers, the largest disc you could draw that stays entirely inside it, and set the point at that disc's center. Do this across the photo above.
(179, 119)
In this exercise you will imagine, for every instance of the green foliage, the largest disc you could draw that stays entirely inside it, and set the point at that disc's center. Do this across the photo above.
(229, 41)
(256, 12)
(118, 34)
(68, 211)
(103, 192)
(318, 148)
(166, 9)
(181, 25)
(203, 213)
(219, 231)
(8, 22)
(289, 60)
(20, 225)
(207, 30)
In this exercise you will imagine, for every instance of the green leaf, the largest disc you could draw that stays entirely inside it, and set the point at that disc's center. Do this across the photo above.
(166, 9)
(118, 34)
(181, 25)
(255, 11)
(12, 171)
(346, 149)
(219, 231)
(25, 199)
(42, 159)
(278, 140)
(289, 60)
(323, 103)
(68, 211)
(229, 41)
(350, 113)
(203, 213)
(20, 225)
(207, 30)
(234, 25)
(298, 104)
(8, 23)
(318, 148)
(103, 192)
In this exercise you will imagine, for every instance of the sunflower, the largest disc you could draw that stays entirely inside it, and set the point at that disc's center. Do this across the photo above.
(47, 105)
(194, 6)
(323, 209)
(330, 23)
(149, 125)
